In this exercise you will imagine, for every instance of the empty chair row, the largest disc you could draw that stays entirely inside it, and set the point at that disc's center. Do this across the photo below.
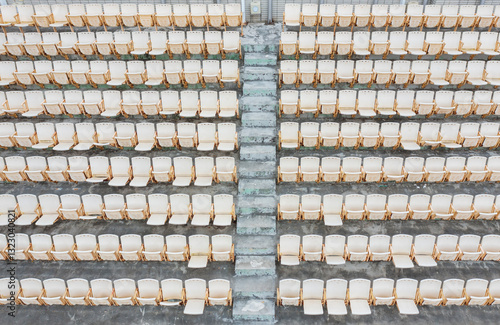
(178, 209)
(401, 249)
(120, 43)
(128, 247)
(124, 15)
(333, 208)
(384, 43)
(406, 294)
(406, 103)
(438, 73)
(119, 170)
(397, 169)
(141, 136)
(111, 103)
(394, 15)
(408, 135)
(193, 295)
(117, 73)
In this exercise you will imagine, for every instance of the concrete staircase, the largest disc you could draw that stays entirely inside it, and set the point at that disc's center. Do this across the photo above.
(255, 269)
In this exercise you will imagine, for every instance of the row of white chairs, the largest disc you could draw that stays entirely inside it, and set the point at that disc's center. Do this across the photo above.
(141, 136)
(394, 15)
(408, 135)
(438, 73)
(130, 247)
(194, 294)
(406, 103)
(395, 43)
(120, 43)
(177, 209)
(111, 103)
(397, 169)
(334, 208)
(119, 170)
(406, 294)
(123, 15)
(117, 73)
(401, 249)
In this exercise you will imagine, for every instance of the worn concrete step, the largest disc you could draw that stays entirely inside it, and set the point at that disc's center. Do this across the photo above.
(264, 169)
(255, 265)
(253, 47)
(254, 245)
(250, 186)
(261, 310)
(259, 119)
(259, 104)
(256, 225)
(254, 287)
(259, 88)
(258, 152)
(248, 205)
(259, 73)
(260, 59)
(264, 135)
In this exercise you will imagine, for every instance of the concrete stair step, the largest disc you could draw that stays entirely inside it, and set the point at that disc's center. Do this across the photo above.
(261, 310)
(259, 88)
(259, 119)
(254, 287)
(248, 205)
(260, 59)
(257, 136)
(265, 169)
(259, 104)
(256, 225)
(257, 152)
(259, 73)
(255, 265)
(254, 245)
(250, 186)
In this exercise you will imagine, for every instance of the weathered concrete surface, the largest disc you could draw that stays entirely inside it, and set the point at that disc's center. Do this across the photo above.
(255, 265)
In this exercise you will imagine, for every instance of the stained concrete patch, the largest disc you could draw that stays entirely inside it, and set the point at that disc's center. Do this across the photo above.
(255, 265)
(253, 310)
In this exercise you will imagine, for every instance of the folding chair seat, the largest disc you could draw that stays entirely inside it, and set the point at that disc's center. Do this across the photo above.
(61, 74)
(401, 73)
(350, 134)
(194, 43)
(456, 73)
(367, 103)
(32, 43)
(329, 134)
(346, 72)
(166, 135)
(131, 103)
(80, 71)
(477, 169)
(176, 43)
(292, 15)
(415, 15)
(327, 16)
(289, 250)
(379, 247)
(449, 16)
(204, 171)
(145, 15)
(414, 168)
(111, 104)
(122, 44)
(463, 102)
(470, 248)
(470, 43)
(228, 104)
(406, 296)
(397, 207)
(326, 73)
(456, 169)
(430, 293)
(92, 16)
(361, 43)
(432, 16)
(362, 15)
(162, 169)
(424, 250)
(24, 73)
(108, 247)
(311, 207)
(192, 71)
(393, 169)
(78, 170)
(148, 290)
(382, 72)
(372, 169)
(135, 73)
(129, 15)
(312, 296)
(196, 295)
(429, 135)
(52, 104)
(309, 101)
(485, 17)
(324, 44)
(76, 14)
(351, 169)
(125, 135)
(86, 44)
(401, 248)
(398, 43)
(476, 73)
(376, 208)
(124, 292)
(100, 169)
(99, 73)
(483, 104)
(462, 206)
(9, 203)
(131, 248)
(41, 245)
(63, 247)
(42, 16)
(154, 245)
(207, 135)
(170, 102)
(336, 296)
(92, 102)
(114, 206)
(492, 76)
(14, 44)
(420, 72)
(141, 171)
(232, 43)
(86, 246)
(450, 135)
(420, 206)
(223, 210)
(30, 291)
(345, 16)
(288, 72)
(183, 171)
(357, 247)
(490, 246)
(307, 72)
(219, 292)
(229, 72)
(227, 137)
(65, 135)
(101, 292)
(389, 134)
(307, 45)
(199, 251)
(67, 45)
(383, 292)
(334, 251)
(380, 16)
(198, 15)
(49, 44)
(225, 169)
(186, 135)
(309, 133)
(22, 242)
(453, 292)
(331, 169)
(484, 207)
(359, 296)
(49, 207)
(343, 43)
(163, 15)
(28, 210)
(476, 291)
(158, 215)
(424, 102)
(172, 293)
(488, 44)
(202, 210)
(438, 73)
(173, 72)
(288, 169)
(347, 102)
(71, 207)
(121, 171)
(410, 136)
(222, 248)
(112, 14)
(32, 106)
(404, 99)
(7, 73)
(441, 206)
(289, 207)
(14, 170)
(180, 15)
(57, 169)
(447, 248)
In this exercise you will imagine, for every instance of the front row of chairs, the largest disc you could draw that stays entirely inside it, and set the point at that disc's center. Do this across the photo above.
(396, 169)
(129, 247)
(336, 207)
(177, 209)
(119, 170)
(406, 295)
(194, 294)
(401, 249)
